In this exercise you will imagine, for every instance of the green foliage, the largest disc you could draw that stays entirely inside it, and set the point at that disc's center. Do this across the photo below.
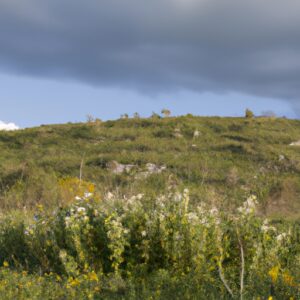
(34, 160)
(130, 234)
(166, 112)
(144, 247)
(249, 114)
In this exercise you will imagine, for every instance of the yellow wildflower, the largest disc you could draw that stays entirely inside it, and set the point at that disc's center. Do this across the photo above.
(93, 277)
(288, 279)
(274, 273)
(73, 282)
(40, 207)
(5, 264)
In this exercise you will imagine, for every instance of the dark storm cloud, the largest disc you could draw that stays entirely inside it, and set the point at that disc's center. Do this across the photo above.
(248, 46)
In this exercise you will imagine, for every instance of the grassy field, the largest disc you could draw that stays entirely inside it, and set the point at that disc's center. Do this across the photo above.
(159, 208)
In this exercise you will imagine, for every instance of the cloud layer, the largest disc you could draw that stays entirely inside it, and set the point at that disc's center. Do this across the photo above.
(250, 46)
(8, 126)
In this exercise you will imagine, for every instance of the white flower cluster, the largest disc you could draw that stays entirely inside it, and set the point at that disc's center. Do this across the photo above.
(266, 227)
(133, 203)
(249, 206)
(281, 237)
(78, 213)
(193, 218)
(208, 216)
(86, 196)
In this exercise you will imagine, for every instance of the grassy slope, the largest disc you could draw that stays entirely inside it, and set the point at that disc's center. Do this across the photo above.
(231, 158)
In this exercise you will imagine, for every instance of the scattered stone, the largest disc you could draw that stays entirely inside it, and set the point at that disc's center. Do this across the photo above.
(177, 133)
(263, 170)
(196, 134)
(150, 169)
(118, 168)
(297, 143)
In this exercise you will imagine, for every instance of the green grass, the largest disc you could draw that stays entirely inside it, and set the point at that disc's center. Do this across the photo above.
(141, 235)
(231, 158)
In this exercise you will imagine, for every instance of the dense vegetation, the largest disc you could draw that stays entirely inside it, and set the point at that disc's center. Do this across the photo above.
(184, 208)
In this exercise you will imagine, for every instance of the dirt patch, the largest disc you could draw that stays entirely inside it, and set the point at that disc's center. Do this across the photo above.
(284, 200)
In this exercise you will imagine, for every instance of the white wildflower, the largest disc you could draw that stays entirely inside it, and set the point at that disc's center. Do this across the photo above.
(162, 217)
(63, 254)
(177, 197)
(266, 227)
(214, 211)
(109, 196)
(28, 231)
(162, 205)
(88, 195)
(201, 209)
(144, 233)
(132, 200)
(192, 217)
(160, 200)
(281, 237)
(81, 210)
(140, 196)
(249, 206)
(204, 221)
(68, 221)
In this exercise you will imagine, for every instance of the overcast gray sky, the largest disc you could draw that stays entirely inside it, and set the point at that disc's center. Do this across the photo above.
(206, 53)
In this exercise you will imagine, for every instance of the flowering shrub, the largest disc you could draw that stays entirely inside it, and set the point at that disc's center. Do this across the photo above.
(73, 187)
(141, 247)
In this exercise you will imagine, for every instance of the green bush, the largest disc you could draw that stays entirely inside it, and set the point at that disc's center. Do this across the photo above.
(155, 247)
(249, 113)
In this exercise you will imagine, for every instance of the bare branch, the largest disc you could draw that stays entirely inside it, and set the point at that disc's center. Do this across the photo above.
(81, 169)
(242, 269)
(224, 280)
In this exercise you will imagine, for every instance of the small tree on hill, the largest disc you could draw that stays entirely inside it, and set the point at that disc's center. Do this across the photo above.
(249, 114)
(136, 115)
(155, 116)
(90, 118)
(124, 116)
(166, 112)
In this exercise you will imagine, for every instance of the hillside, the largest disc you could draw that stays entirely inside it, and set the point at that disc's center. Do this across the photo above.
(173, 208)
(220, 160)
